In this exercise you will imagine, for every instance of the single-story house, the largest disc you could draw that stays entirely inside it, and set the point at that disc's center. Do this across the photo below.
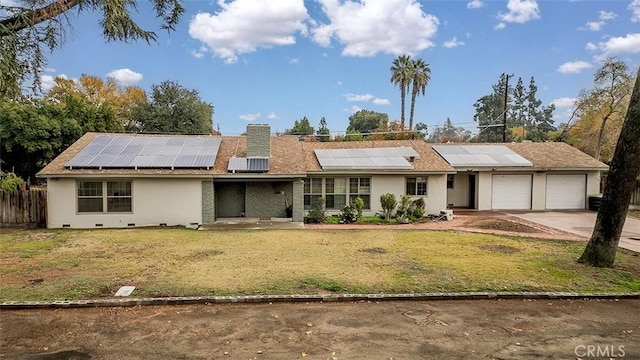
(128, 180)
(520, 176)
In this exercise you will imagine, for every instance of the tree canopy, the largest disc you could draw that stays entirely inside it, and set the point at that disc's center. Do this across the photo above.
(173, 108)
(449, 133)
(27, 30)
(411, 76)
(600, 111)
(527, 118)
(367, 121)
(301, 127)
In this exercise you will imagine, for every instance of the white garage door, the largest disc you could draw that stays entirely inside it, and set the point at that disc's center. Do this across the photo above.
(566, 191)
(511, 192)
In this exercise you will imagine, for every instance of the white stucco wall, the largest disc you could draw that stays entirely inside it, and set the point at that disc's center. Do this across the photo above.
(154, 201)
(459, 195)
(539, 191)
(435, 200)
(485, 183)
(593, 183)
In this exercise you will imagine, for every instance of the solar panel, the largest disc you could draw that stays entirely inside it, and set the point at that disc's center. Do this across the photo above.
(481, 156)
(160, 152)
(386, 158)
(248, 165)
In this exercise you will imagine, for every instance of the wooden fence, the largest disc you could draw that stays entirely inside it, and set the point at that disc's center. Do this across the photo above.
(23, 208)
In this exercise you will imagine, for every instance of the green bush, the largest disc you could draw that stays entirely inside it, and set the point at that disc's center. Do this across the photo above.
(9, 181)
(348, 214)
(418, 209)
(359, 206)
(317, 214)
(388, 202)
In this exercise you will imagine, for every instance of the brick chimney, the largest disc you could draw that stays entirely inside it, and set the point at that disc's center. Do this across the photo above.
(258, 140)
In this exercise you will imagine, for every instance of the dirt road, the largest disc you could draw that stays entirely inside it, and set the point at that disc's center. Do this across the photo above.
(483, 329)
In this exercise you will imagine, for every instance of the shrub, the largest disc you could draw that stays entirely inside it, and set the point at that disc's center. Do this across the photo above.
(317, 214)
(9, 181)
(348, 214)
(388, 202)
(359, 206)
(417, 209)
(404, 207)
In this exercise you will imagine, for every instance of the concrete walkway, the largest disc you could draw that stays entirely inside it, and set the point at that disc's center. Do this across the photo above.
(253, 224)
(582, 223)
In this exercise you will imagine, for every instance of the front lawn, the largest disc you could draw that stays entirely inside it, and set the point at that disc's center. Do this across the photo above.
(84, 264)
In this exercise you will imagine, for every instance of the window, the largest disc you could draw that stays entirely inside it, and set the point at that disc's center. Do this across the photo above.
(312, 192)
(360, 187)
(416, 186)
(118, 196)
(450, 181)
(336, 193)
(91, 197)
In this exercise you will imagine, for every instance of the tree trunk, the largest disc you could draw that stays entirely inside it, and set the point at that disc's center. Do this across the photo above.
(403, 93)
(414, 94)
(600, 134)
(621, 180)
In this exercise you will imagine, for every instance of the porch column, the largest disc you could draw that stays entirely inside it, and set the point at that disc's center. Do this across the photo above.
(298, 200)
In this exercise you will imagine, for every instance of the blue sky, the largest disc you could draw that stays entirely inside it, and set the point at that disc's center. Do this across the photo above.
(276, 61)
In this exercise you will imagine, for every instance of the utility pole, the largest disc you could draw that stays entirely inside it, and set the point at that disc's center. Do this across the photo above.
(506, 99)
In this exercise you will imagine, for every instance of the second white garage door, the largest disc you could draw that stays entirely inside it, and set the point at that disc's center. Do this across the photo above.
(566, 191)
(511, 192)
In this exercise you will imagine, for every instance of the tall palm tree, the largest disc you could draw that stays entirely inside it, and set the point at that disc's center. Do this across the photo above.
(420, 76)
(401, 74)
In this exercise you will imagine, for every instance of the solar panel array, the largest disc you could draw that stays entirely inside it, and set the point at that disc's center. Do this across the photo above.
(481, 156)
(387, 158)
(159, 152)
(248, 165)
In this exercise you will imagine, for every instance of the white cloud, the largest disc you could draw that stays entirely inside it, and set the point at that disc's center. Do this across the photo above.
(125, 76)
(250, 117)
(564, 102)
(197, 54)
(339, 83)
(475, 4)
(453, 43)
(379, 101)
(273, 116)
(500, 26)
(365, 98)
(627, 44)
(595, 25)
(294, 61)
(603, 15)
(370, 27)
(356, 97)
(520, 11)
(47, 82)
(352, 110)
(573, 67)
(635, 10)
(243, 26)
(591, 46)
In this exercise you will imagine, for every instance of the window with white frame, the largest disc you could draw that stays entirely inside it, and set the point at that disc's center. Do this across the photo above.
(416, 186)
(336, 192)
(360, 187)
(96, 196)
(312, 192)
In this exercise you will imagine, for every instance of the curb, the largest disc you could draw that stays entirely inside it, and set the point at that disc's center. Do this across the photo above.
(256, 299)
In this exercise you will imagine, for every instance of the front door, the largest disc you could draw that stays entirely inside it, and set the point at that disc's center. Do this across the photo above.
(472, 191)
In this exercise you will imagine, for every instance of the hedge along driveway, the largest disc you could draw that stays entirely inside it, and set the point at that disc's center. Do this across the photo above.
(89, 264)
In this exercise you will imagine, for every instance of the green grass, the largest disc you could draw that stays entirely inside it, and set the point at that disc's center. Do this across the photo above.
(82, 264)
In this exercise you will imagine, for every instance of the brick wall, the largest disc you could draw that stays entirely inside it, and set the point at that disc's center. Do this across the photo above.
(208, 203)
(258, 140)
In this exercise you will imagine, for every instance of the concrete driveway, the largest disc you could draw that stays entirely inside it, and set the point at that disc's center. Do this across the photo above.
(582, 223)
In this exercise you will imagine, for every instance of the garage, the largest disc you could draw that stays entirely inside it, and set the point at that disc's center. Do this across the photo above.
(566, 192)
(511, 192)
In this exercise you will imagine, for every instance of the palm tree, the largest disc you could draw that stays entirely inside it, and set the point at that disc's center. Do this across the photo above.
(420, 76)
(401, 74)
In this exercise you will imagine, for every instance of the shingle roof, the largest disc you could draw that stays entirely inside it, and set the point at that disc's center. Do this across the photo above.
(550, 155)
(429, 160)
(286, 159)
(556, 155)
